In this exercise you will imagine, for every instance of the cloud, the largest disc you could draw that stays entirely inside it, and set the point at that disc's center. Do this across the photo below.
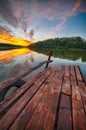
(4, 30)
(69, 10)
(19, 16)
(31, 33)
(61, 25)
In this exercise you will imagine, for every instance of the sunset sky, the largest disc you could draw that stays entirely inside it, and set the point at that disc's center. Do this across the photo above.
(36, 20)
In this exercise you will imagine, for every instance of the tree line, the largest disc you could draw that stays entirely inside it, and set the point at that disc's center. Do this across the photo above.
(60, 43)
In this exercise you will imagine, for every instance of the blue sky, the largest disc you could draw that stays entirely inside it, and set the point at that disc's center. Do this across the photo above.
(42, 19)
(75, 26)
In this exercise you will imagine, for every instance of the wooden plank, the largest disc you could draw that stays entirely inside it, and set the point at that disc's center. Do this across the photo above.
(67, 74)
(5, 82)
(26, 114)
(76, 98)
(12, 99)
(72, 77)
(78, 74)
(66, 83)
(79, 119)
(82, 87)
(66, 88)
(14, 112)
(44, 116)
(65, 101)
(64, 120)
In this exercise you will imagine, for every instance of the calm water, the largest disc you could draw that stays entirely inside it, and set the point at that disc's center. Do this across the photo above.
(17, 61)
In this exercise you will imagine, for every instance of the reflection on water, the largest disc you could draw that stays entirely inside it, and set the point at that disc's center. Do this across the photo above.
(66, 54)
(9, 54)
(17, 61)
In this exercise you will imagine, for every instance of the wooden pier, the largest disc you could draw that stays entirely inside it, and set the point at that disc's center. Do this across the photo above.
(54, 100)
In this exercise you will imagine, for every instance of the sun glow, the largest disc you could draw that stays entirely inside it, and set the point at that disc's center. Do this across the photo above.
(4, 38)
(9, 54)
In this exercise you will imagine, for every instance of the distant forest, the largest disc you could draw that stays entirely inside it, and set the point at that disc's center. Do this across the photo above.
(4, 46)
(72, 43)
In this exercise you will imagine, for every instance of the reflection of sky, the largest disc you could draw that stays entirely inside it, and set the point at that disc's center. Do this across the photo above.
(39, 19)
(13, 66)
(22, 62)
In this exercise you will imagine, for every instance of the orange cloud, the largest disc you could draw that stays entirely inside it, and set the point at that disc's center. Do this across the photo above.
(4, 38)
(4, 30)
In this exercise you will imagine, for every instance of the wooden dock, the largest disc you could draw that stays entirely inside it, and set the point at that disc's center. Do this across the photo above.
(53, 100)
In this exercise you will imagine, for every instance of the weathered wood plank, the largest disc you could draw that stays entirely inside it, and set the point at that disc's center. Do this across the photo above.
(82, 88)
(44, 116)
(65, 101)
(77, 109)
(64, 120)
(65, 116)
(12, 114)
(26, 114)
(66, 88)
(5, 82)
(78, 74)
(79, 119)
(72, 76)
(12, 99)
(66, 82)
(76, 98)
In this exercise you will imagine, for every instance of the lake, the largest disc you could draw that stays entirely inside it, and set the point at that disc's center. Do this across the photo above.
(17, 61)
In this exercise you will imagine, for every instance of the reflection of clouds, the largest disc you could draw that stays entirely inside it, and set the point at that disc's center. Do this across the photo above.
(32, 58)
(16, 69)
(66, 61)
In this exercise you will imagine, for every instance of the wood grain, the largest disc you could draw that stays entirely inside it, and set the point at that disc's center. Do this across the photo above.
(44, 116)
(28, 111)
(79, 118)
(12, 114)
